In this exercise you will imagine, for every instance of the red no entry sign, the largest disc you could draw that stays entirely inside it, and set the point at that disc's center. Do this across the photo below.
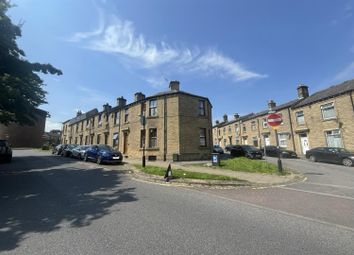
(274, 119)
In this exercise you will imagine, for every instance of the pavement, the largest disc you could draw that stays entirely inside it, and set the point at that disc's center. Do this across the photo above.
(250, 179)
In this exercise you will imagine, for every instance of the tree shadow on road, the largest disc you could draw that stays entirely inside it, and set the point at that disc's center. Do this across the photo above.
(45, 201)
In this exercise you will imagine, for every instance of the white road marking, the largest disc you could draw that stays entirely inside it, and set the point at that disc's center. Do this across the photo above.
(318, 193)
(329, 185)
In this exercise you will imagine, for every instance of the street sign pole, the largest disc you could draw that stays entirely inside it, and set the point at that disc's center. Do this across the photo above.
(280, 165)
(274, 120)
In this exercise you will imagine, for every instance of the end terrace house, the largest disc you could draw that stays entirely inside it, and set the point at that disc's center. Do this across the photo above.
(177, 126)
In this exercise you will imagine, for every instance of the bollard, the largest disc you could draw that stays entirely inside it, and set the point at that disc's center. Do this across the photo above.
(168, 174)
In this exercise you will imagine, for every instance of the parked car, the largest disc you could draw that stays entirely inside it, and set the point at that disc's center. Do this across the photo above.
(229, 147)
(331, 155)
(246, 151)
(103, 154)
(218, 149)
(79, 151)
(273, 151)
(5, 151)
(67, 151)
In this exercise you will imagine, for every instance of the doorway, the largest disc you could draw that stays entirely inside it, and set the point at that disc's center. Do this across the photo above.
(304, 141)
(125, 142)
(266, 140)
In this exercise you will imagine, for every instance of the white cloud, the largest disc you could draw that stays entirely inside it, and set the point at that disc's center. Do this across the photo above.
(119, 37)
(50, 125)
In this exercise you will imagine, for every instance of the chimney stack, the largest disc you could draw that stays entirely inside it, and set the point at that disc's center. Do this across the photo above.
(139, 96)
(121, 101)
(225, 117)
(174, 85)
(217, 122)
(79, 112)
(236, 116)
(107, 107)
(271, 105)
(302, 91)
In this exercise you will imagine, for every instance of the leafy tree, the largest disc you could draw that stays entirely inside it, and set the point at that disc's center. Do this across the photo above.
(21, 89)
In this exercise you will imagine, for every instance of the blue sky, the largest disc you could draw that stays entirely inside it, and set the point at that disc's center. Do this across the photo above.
(239, 54)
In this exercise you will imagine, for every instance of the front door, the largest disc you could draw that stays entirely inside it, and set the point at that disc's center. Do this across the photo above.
(266, 140)
(304, 141)
(125, 142)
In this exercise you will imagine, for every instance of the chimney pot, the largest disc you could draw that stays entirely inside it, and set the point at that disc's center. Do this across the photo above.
(225, 117)
(217, 122)
(236, 116)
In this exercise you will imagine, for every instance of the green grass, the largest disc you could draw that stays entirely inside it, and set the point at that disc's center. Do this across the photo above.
(249, 165)
(179, 173)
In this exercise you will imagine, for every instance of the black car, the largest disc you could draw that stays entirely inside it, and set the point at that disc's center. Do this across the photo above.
(229, 147)
(5, 151)
(67, 151)
(246, 151)
(218, 149)
(273, 151)
(331, 155)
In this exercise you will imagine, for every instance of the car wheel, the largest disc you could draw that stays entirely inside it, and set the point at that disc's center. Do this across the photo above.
(85, 158)
(347, 162)
(99, 160)
(312, 158)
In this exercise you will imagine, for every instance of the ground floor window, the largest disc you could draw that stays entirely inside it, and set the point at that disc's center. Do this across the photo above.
(105, 139)
(86, 140)
(334, 138)
(237, 141)
(255, 141)
(115, 139)
(80, 139)
(142, 138)
(152, 137)
(98, 140)
(202, 137)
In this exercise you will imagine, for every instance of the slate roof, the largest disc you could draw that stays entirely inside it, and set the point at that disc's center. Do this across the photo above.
(83, 116)
(332, 91)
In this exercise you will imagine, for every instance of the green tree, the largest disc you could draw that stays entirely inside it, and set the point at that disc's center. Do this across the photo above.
(21, 89)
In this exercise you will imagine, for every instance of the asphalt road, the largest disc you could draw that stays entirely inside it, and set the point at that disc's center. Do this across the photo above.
(53, 205)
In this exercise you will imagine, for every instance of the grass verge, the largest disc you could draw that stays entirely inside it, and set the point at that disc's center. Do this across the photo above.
(179, 173)
(250, 165)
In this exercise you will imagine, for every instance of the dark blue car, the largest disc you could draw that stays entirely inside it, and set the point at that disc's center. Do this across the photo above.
(103, 154)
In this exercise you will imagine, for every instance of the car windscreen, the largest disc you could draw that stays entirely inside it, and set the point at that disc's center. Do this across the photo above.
(249, 148)
(105, 148)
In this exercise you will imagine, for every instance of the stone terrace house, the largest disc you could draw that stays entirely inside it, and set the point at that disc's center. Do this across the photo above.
(178, 126)
(325, 118)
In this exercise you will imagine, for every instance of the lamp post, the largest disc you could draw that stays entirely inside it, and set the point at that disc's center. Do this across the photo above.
(143, 123)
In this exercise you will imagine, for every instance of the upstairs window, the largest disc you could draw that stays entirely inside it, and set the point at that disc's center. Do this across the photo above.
(328, 111)
(153, 107)
(116, 118)
(244, 128)
(201, 108)
(264, 123)
(253, 126)
(99, 120)
(82, 126)
(300, 118)
(126, 115)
